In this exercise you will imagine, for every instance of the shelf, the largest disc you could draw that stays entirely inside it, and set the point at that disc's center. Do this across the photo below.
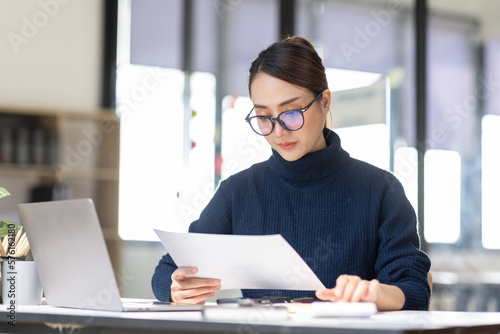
(82, 146)
(26, 170)
(99, 174)
(104, 114)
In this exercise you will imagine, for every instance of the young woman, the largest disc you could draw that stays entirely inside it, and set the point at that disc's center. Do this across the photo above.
(350, 221)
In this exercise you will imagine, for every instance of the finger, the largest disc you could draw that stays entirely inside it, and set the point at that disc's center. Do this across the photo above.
(326, 294)
(200, 299)
(361, 291)
(372, 292)
(340, 285)
(192, 295)
(181, 273)
(349, 288)
(193, 283)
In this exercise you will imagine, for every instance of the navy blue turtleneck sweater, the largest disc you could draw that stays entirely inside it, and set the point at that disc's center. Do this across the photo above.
(342, 215)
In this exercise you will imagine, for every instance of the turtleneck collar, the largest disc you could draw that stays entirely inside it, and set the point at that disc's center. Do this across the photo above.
(314, 165)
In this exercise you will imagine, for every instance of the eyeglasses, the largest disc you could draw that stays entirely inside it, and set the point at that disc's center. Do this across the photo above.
(291, 120)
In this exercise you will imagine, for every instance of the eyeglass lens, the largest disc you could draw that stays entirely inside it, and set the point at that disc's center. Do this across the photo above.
(292, 120)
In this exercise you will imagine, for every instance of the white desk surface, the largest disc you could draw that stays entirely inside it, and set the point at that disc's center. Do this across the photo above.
(399, 321)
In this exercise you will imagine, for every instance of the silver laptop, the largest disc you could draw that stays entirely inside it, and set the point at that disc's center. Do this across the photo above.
(72, 260)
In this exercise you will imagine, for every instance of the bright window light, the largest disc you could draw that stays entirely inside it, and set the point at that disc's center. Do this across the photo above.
(157, 187)
(405, 169)
(442, 196)
(150, 151)
(491, 181)
(241, 147)
(197, 184)
(375, 151)
(339, 79)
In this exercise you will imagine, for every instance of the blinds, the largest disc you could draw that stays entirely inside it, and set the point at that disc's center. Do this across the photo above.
(232, 31)
(156, 33)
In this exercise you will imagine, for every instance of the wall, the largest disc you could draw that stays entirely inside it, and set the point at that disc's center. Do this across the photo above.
(50, 53)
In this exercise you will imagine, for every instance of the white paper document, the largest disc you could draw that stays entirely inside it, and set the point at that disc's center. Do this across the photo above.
(241, 261)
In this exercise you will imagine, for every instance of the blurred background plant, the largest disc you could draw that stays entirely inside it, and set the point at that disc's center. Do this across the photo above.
(4, 223)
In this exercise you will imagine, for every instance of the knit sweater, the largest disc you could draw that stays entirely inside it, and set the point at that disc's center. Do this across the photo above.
(342, 215)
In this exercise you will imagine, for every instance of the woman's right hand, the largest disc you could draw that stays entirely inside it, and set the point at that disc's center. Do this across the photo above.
(191, 290)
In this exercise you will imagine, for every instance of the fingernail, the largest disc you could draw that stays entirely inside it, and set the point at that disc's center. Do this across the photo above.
(216, 282)
(193, 270)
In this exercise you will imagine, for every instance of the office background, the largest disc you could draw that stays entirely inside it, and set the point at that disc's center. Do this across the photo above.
(145, 100)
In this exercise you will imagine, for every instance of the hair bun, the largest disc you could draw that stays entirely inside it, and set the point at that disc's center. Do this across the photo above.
(293, 60)
(298, 41)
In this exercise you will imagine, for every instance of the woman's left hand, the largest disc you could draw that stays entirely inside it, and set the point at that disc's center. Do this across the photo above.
(350, 288)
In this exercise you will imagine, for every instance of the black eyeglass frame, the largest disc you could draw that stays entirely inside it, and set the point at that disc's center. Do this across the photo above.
(277, 118)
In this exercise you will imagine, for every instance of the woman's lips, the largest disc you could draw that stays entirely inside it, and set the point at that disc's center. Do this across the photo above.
(287, 145)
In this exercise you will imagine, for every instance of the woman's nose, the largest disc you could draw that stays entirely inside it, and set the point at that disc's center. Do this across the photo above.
(278, 129)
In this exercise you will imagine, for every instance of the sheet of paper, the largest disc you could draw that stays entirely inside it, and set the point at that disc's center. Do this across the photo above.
(242, 261)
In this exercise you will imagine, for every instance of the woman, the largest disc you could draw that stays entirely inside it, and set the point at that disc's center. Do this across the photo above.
(350, 221)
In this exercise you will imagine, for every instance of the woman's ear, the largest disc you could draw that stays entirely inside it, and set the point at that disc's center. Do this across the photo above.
(326, 100)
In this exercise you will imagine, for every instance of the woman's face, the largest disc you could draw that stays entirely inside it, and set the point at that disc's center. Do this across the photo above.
(272, 96)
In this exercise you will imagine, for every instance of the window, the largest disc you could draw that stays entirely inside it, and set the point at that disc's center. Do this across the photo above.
(151, 156)
(167, 147)
(370, 42)
(364, 44)
(354, 121)
(489, 89)
(170, 129)
(442, 196)
(491, 181)
(452, 136)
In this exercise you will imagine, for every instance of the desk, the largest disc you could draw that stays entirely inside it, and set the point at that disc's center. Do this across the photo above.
(47, 319)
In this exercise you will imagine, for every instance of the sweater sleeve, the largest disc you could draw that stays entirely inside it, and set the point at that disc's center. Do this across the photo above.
(215, 218)
(400, 261)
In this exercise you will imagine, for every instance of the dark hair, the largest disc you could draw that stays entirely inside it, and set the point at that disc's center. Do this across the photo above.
(293, 60)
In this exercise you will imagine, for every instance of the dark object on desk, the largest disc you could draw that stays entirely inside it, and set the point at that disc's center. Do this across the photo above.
(53, 192)
(265, 300)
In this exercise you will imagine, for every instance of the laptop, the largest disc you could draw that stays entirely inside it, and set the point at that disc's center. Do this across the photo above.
(72, 260)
